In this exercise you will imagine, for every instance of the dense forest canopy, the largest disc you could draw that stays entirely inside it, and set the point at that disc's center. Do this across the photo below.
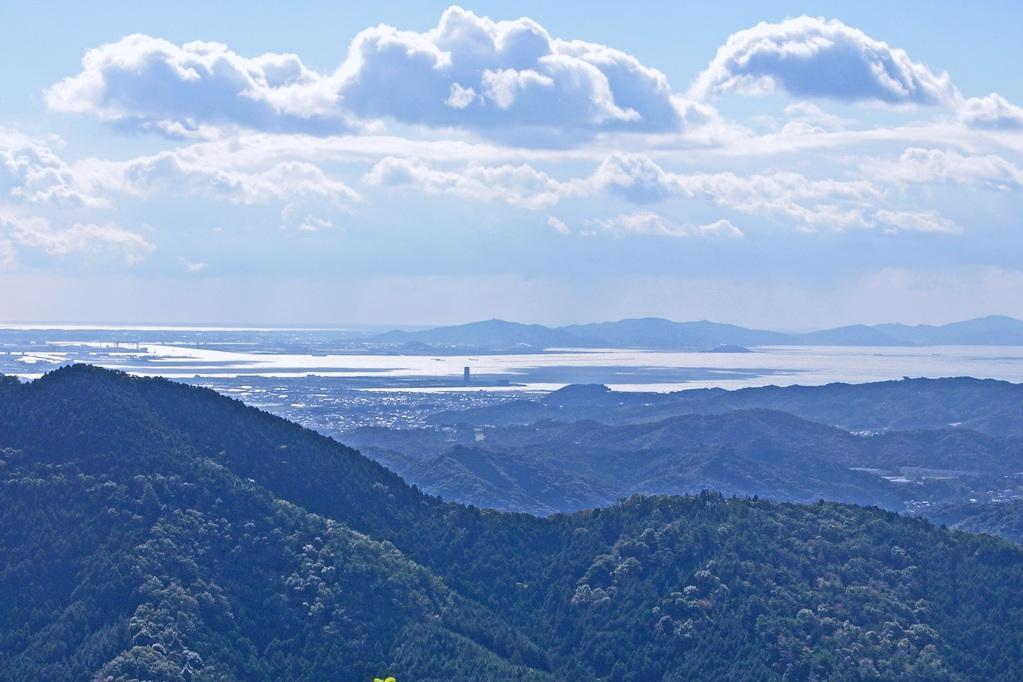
(150, 530)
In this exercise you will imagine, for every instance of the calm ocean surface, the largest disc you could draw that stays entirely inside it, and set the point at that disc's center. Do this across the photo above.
(621, 369)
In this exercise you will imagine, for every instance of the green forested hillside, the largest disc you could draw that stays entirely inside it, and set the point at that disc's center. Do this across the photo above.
(983, 405)
(552, 466)
(1004, 519)
(154, 531)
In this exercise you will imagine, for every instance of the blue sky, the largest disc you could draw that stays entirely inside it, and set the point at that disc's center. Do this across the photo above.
(792, 167)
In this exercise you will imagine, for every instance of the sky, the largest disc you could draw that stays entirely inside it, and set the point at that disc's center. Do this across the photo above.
(783, 165)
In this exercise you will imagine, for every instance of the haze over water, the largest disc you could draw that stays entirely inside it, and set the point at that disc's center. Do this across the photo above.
(180, 354)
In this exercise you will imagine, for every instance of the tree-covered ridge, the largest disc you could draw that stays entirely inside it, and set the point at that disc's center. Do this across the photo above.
(1004, 519)
(205, 575)
(817, 591)
(153, 531)
(552, 466)
(984, 405)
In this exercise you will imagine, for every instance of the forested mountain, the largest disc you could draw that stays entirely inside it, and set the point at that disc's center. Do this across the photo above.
(658, 333)
(149, 530)
(553, 466)
(994, 518)
(984, 405)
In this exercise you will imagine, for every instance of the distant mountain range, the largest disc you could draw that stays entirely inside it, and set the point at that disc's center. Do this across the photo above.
(915, 444)
(657, 333)
(554, 466)
(950, 449)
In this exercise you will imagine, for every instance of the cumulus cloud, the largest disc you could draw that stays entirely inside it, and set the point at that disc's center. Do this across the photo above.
(31, 171)
(147, 83)
(35, 232)
(308, 197)
(811, 204)
(993, 112)
(170, 173)
(924, 166)
(636, 177)
(654, 224)
(500, 78)
(812, 57)
(518, 185)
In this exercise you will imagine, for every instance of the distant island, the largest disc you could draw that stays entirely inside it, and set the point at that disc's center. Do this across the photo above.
(702, 336)
(727, 348)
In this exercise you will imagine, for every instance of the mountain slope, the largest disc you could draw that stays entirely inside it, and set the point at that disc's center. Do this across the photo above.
(133, 545)
(981, 404)
(134, 555)
(553, 466)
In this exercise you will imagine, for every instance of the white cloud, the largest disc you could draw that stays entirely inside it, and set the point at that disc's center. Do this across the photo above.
(916, 221)
(636, 177)
(811, 57)
(916, 165)
(811, 204)
(807, 204)
(460, 97)
(34, 232)
(193, 266)
(306, 222)
(721, 227)
(147, 83)
(558, 225)
(173, 174)
(35, 182)
(32, 172)
(810, 114)
(506, 79)
(993, 112)
(518, 185)
(654, 224)
(307, 195)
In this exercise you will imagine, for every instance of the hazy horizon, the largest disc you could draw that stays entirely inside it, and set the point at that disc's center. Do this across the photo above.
(385, 326)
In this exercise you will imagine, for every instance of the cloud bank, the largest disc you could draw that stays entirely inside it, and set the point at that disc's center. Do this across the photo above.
(807, 204)
(511, 81)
